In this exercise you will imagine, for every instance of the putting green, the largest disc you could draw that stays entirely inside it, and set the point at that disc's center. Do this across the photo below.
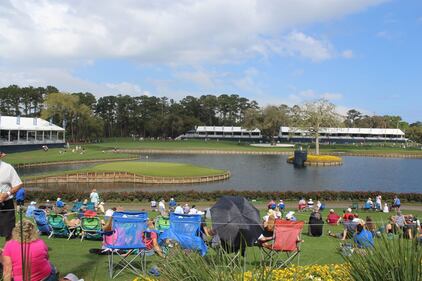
(158, 169)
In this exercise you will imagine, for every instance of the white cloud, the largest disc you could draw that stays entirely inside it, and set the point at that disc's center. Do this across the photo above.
(307, 93)
(348, 54)
(126, 88)
(331, 96)
(163, 32)
(384, 34)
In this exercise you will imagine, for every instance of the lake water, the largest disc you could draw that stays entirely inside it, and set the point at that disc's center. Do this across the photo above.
(273, 173)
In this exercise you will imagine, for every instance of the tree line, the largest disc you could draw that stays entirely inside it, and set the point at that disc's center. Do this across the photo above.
(87, 118)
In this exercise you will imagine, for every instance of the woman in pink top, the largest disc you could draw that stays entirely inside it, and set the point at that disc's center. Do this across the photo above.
(38, 267)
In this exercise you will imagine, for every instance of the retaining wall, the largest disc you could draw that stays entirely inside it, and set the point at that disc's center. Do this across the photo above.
(123, 177)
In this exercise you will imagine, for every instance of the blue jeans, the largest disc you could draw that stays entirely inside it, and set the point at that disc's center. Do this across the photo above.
(53, 275)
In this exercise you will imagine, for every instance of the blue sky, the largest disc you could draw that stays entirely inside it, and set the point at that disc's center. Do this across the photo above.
(363, 54)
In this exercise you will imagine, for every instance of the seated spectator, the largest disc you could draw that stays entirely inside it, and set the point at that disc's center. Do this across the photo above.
(100, 207)
(172, 204)
(349, 229)
(38, 265)
(59, 203)
(290, 216)
(150, 239)
(385, 209)
(268, 232)
(333, 218)
(281, 206)
(347, 213)
(310, 204)
(368, 204)
(186, 209)
(179, 210)
(315, 224)
(193, 210)
(153, 205)
(391, 228)
(363, 237)
(109, 212)
(396, 203)
(30, 210)
(301, 204)
(206, 232)
(271, 205)
(370, 226)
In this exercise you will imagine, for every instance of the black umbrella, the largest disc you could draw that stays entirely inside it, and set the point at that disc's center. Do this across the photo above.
(236, 221)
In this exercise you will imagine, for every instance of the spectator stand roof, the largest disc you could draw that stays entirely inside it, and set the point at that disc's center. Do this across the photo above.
(13, 123)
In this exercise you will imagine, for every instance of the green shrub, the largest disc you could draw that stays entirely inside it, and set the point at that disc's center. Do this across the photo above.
(390, 260)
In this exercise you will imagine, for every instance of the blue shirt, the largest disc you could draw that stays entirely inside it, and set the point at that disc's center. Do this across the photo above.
(396, 201)
(172, 203)
(364, 239)
(281, 206)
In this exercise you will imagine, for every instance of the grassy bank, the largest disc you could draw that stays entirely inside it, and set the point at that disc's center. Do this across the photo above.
(59, 155)
(73, 255)
(155, 169)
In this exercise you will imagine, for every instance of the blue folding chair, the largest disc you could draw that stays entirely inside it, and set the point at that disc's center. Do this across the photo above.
(126, 243)
(90, 206)
(185, 229)
(131, 214)
(40, 217)
(76, 207)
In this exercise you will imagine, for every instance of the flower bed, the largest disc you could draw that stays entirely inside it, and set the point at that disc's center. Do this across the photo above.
(319, 160)
(334, 272)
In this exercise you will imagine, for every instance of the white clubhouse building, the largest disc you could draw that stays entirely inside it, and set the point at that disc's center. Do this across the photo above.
(287, 134)
(29, 131)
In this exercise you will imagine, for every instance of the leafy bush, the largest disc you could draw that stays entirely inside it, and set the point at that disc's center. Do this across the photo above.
(392, 260)
(214, 195)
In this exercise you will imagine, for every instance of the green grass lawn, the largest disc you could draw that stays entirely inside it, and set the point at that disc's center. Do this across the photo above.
(157, 169)
(54, 155)
(73, 255)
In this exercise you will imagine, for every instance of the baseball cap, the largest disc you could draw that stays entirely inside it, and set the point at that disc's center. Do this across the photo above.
(349, 210)
(331, 210)
(72, 277)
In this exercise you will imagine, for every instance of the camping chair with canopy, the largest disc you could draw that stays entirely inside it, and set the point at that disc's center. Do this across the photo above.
(126, 243)
(40, 217)
(185, 229)
(162, 223)
(76, 207)
(286, 243)
(91, 228)
(58, 226)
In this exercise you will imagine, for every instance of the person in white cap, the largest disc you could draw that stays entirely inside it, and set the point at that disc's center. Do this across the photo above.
(290, 216)
(71, 277)
(30, 210)
(10, 183)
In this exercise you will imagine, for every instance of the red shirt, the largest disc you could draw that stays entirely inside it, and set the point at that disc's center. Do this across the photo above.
(149, 241)
(332, 218)
(38, 259)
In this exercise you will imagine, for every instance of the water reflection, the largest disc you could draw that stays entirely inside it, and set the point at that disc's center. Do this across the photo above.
(272, 173)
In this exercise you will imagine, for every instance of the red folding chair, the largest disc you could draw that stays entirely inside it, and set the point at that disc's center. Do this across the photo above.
(286, 243)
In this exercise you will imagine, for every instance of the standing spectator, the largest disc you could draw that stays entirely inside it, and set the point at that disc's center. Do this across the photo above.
(179, 210)
(396, 203)
(153, 205)
(378, 203)
(319, 205)
(162, 207)
(10, 184)
(38, 266)
(94, 197)
(333, 218)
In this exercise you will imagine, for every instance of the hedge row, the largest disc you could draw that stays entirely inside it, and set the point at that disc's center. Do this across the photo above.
(212, 196)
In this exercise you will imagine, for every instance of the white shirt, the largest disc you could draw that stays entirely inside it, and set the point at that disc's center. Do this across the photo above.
(109, 213)
(161, 206)
(94, 197)
(8, 178)
(193, 211)
(178, 210)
